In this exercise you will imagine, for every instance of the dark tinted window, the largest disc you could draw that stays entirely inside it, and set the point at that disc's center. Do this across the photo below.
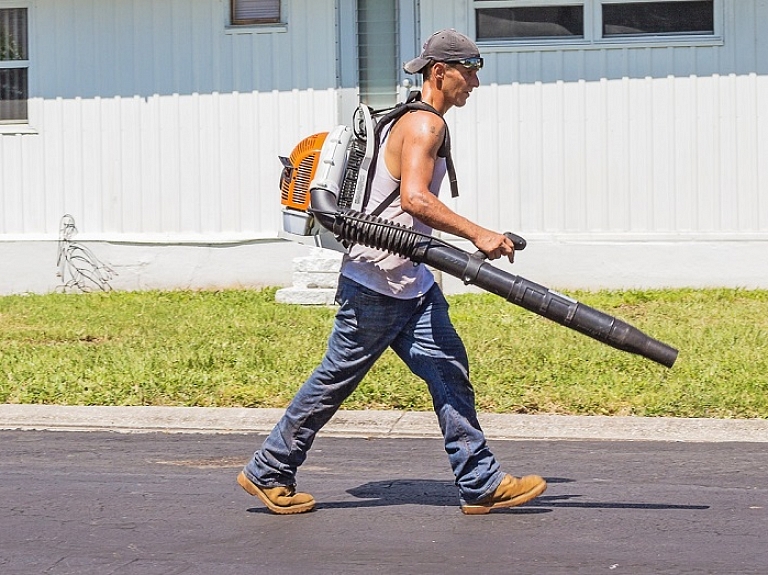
(255, 11)
(658, 18)
(13, 73)
(533, 22)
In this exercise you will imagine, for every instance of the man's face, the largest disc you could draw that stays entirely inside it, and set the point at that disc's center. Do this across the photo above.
(459, 82)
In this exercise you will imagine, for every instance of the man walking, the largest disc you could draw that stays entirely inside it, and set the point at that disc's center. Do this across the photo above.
(387, 301)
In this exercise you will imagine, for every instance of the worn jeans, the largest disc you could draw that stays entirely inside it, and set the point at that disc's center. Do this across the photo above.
(421, 333)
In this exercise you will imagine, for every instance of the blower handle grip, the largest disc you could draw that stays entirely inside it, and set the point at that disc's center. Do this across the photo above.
(519, 243)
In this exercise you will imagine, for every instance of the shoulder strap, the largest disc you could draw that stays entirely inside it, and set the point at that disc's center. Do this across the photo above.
(413, 103)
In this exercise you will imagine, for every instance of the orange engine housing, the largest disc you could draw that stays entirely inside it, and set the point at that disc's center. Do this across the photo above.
(295, 179)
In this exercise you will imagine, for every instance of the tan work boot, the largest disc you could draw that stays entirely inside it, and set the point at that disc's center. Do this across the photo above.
(511, 491)
(281, 500)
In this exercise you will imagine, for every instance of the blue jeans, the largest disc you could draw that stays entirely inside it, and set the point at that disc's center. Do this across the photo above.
(421, 333)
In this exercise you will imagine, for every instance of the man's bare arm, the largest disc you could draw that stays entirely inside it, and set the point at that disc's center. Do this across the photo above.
(422, 135)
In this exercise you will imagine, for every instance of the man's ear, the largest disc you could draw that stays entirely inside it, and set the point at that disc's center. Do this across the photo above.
(438, 71)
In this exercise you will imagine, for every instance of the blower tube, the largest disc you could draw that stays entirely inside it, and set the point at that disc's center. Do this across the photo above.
(354, 227)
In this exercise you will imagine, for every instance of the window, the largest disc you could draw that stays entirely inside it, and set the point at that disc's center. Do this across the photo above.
(255, 12)
(377, 52)
(530, 22)
(14, 65)
(594, 21)
(656, 18)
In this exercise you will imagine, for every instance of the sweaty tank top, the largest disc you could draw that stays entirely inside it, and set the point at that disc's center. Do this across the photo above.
(381, 271)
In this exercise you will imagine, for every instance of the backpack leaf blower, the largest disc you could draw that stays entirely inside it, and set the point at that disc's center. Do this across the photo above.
(319, 184)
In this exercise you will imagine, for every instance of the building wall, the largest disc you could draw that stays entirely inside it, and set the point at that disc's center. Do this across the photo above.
(152, 119)
(158, 129)
(626, 166)
(638, 141)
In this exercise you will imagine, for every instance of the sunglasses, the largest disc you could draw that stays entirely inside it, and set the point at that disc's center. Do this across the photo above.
(469, 63)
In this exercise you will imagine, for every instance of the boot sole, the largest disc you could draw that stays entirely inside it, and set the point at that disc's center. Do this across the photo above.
(513, 502)
(254, 489)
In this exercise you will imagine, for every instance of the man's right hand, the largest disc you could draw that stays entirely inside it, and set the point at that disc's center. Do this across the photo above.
(495, 245)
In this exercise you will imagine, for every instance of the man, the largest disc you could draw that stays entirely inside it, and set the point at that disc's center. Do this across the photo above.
(387, 301)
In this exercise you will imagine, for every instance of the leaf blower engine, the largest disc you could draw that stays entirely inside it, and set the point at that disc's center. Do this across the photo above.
(337, 162)
(323, 189)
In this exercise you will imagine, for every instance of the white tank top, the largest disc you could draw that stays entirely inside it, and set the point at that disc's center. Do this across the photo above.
(381, 271)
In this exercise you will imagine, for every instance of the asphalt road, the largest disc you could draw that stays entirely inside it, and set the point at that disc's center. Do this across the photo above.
(106, 503)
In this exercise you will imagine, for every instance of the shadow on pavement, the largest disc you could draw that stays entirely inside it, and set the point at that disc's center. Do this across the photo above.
(443, 494)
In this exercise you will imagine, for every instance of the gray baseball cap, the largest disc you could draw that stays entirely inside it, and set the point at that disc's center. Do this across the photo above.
(443, 46)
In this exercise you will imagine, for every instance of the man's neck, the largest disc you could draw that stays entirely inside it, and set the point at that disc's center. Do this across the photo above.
(434, 97)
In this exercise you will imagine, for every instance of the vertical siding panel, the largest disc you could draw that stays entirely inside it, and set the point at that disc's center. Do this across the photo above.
(553, 186)
(112, 164)
(264, 71)
(761, 51)
(182, 29)
(151, 147)
(640, 154)
(271, 127)
(11, 178)
(12, 182)
(746, 157)
(762, 150)
(145, 50)
(575, 159)
(130, 217)
(531, 157)
(242, 63)
(706, 154)
(190, 161)
(89, 186)
(125, 64)
(245, 176)
(616, 119)
(596, 155)
(229, 163)
(683, 176)
(210, 189)
(33, 183)
(728, 150)
(73, 136)
(616, 193)
(50, 165)
(663, 124)
(520, 143)
(319, 48)
(5, 179)
(506, 158)
(169, 161)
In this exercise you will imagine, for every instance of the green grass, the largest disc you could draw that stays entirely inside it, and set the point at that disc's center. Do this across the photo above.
(240, 348)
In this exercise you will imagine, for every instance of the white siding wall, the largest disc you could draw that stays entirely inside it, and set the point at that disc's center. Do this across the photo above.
(640, 155)
(645, 142)
(153, 121)
(624, 167)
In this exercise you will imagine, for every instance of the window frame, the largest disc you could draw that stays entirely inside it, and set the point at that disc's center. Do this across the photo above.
(593, 28)
(20, 125)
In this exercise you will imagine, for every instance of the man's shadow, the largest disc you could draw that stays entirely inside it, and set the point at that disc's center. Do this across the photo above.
(443, 494)
(407, 492)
